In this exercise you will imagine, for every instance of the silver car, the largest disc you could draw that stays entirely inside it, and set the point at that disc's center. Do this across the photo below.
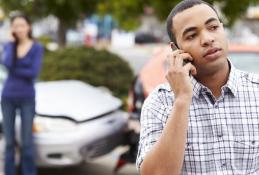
(75, 122)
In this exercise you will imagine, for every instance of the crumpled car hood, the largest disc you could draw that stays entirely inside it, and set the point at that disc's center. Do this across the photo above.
(73, 99)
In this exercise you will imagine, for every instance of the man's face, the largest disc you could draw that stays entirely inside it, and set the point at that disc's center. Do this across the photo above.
(199, 32)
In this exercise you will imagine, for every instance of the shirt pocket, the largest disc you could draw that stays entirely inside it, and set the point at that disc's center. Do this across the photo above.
(245, 155)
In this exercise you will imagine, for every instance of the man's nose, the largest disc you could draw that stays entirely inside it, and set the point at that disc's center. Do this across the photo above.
(207, 39)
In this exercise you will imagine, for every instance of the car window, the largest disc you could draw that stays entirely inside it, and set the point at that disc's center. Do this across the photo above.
(246, 61)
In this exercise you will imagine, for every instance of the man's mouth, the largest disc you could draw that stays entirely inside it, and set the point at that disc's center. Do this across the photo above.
(211, 53)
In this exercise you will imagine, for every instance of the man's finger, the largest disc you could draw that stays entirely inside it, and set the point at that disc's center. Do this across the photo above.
(189, 67)
(181, 57)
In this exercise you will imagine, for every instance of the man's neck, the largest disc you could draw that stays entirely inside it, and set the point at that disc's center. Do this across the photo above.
(215, 81)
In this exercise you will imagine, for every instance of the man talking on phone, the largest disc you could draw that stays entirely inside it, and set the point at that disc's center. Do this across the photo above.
(205, 120)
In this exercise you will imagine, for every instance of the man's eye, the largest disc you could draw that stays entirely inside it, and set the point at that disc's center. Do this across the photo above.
(214, 27)
(190, 37)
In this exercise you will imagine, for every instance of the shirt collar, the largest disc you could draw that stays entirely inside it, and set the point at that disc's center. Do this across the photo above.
(233, 79)
(231, 85)
(197, 87)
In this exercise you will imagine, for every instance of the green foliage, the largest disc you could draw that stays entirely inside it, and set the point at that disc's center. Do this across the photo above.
(44, 40)
(63, 9)
(99, 68)
(67, 11)
(163, 8)
(231, 9)
(127, 12)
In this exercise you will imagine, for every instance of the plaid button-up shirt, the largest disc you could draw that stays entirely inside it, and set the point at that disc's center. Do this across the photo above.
(223, 133)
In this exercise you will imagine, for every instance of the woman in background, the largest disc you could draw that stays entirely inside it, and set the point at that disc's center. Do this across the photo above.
(22, 58)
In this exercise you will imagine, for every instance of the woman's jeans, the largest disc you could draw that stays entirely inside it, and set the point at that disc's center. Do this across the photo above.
(26, 106)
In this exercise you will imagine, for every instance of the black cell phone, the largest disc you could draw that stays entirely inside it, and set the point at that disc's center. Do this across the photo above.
(174, 47)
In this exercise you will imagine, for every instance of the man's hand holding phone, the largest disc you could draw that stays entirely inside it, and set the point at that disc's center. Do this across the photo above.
(180, 68)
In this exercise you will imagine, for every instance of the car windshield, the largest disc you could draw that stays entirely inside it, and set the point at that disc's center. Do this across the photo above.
(247, 61)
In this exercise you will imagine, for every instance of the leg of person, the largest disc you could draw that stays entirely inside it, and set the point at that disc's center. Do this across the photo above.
(8, 111)
(28, 165)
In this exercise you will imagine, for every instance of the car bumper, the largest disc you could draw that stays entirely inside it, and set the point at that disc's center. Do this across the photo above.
(91, 139)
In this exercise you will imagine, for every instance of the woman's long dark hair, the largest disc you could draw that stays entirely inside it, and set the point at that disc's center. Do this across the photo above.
(16, 40)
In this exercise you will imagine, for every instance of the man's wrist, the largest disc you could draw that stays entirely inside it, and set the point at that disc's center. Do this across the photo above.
(183, 100)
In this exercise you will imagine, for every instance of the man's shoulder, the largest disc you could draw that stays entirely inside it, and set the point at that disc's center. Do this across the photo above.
(247, 78)
(159, 94)
(253, 78)
(164, 88)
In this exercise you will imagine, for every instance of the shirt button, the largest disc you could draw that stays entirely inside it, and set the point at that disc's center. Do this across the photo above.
(220, 135)
(223, 164)
(216, 105)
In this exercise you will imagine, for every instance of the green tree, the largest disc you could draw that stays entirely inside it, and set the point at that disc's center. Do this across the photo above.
(231, 9)
(67, 11)
(128, 12)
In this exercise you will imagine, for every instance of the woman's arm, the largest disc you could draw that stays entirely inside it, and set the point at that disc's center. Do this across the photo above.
(7, 56)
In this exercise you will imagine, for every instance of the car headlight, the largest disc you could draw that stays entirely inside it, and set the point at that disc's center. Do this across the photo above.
(46, 124)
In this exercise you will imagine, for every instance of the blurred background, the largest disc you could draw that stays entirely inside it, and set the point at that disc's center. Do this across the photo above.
(109, 45)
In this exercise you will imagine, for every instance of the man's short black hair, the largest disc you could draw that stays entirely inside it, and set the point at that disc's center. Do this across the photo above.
(183, 5)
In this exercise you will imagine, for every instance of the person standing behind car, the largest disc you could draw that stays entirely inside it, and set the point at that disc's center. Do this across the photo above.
(22, 58)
